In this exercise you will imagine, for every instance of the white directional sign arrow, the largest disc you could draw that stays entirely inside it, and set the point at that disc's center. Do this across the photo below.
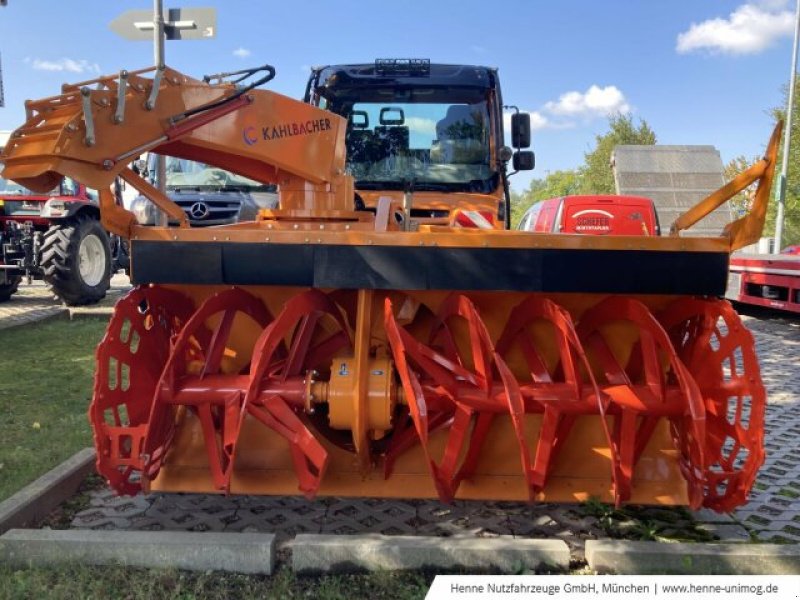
(179, 24)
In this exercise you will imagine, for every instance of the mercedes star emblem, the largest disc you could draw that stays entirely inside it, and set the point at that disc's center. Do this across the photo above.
(199, 210)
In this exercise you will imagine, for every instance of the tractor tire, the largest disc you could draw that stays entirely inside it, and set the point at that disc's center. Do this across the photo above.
(76, 260)
(9, 289)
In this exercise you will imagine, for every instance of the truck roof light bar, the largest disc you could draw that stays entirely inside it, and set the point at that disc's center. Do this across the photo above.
(403, 66)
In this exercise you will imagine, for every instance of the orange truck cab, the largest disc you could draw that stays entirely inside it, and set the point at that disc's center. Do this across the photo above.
(427, 137)
(595, 215)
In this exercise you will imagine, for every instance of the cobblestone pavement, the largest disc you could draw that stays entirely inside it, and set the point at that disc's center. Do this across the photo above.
(772, 515)
(34, 303)
(288, 516)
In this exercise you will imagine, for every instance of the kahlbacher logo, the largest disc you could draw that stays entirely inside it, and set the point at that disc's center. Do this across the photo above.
(251, 134)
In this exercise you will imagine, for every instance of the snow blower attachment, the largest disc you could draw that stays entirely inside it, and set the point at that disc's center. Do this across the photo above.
(339, 349)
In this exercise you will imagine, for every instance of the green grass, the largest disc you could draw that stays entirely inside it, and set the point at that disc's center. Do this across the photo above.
(46, 372)
(79, 581)
(646, 523)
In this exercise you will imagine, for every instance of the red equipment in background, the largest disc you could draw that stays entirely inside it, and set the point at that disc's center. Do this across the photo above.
(595, 214)
(771, 280)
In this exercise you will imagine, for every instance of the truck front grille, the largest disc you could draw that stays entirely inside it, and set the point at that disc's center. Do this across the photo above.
(210, 211)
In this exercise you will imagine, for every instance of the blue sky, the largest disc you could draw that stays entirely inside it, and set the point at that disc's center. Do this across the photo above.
(699, 71)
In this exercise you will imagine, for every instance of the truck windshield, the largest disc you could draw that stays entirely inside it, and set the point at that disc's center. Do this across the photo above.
(9, 188)
(435, 145)
(188, 174)
(68, 187)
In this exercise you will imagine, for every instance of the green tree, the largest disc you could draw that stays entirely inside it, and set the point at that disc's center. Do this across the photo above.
(791, 223)
(742, 201)
(519, 204)
(596, 174)
(556, 184)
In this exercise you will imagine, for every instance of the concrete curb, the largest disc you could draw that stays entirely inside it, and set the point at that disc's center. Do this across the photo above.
(252, 553)
(312, 553)
(37, 499)
(649, 558)
(103, 314)
(58, 312)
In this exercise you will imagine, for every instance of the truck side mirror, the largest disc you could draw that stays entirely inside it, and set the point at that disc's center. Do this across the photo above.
(520, 130)
(524, 160)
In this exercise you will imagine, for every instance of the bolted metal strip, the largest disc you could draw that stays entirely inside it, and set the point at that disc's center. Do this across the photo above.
(151, 100)
(122, 88)
(88, 120)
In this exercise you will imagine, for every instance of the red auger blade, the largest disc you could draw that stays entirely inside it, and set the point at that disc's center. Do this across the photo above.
(652, 384)
(129, 360)
(457, 380)
(196, 345)
(719, 352)
(298, 321)
(559, 391)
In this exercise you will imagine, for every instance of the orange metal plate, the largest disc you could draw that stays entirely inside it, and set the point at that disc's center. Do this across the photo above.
(582, 470)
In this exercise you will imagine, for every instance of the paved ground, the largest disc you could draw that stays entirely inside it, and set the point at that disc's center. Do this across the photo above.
(288, 516)
(34, 302)
(772, 515)
(773, 512)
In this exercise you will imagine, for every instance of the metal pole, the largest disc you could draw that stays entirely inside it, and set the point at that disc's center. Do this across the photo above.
(158, 56)
(787, 140)
(158, 33)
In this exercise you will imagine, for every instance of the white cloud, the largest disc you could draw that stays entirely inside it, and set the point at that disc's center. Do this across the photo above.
(241, 52)
(64, 64)
(574, 107)
(594, 102)
(538, 120)
(749, 29)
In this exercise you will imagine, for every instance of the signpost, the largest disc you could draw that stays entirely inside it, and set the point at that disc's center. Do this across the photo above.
(787, 140)
(180, 24)
(2, 99)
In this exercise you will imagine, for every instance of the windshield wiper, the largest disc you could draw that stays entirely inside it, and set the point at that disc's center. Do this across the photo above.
(239, 188)
(419, 186)
(425, 186)
(185, 188)
(215, 188)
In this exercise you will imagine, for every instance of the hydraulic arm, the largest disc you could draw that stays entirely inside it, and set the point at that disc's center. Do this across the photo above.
(94, 129)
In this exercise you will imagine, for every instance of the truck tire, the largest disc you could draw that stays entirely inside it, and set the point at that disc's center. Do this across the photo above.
(9, 289)
(76, 260)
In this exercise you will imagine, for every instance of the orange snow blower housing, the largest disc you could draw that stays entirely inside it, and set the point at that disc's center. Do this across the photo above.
(339, 349)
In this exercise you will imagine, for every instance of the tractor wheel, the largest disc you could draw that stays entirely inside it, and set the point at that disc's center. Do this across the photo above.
(9, 289)
(76, 260)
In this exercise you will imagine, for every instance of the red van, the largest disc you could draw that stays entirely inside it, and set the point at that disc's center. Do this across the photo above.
(594, 215)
